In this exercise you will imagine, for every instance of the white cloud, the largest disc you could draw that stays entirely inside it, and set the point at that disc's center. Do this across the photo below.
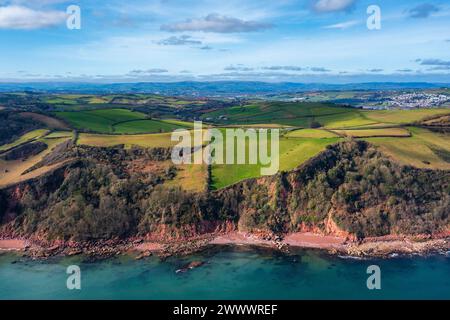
(332, 5)
(32, 2)
(18, 17)
(216, 23)
(342, 25)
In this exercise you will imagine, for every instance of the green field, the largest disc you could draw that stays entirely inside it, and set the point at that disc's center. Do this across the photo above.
(13, 171)
(307, 128)
(145, 126)
(293, 152)
(311, 133)
(386, 132)
(142, 140)
(120, 121)
(59, 134)
(75, 99)
(292, 114)
(99, 120)
(32, 135)
(425, 149)
(307, 114)
(403, 116)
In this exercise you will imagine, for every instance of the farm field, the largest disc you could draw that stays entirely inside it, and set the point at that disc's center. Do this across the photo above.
(12, 171)
(76, 99)
(306, 115)
(347, 120)
(306, 130)
(425, 149)
(291, 114)
(141, 140)
(311, 133)
(59, 134)
(386, 132)
(99, 120)
(190, 177)
(293, 152)
(145, 126)
(29, 136)
(120, 121)
(403, 116)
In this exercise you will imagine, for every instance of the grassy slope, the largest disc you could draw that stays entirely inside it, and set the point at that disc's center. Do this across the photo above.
(293, 152)
(293, 114)
(391, 132)
(59, 134)
(403, 116)
(142, 140)
(145, 126)
(295, 148)
(99, 120)
(300, 145)
(311, 133)
(11, 171)
(25, 138)
(329, 116)
(121, 121)
(191, 177)
(418, 150)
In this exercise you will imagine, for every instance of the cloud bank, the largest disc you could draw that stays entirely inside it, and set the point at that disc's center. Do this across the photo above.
(423, 10)
(332, 5)
(18, 17)
(216, 23)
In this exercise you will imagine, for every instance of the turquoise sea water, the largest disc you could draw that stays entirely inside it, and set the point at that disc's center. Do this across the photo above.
(229, 273)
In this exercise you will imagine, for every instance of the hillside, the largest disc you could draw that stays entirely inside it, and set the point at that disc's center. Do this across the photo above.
(351, 186)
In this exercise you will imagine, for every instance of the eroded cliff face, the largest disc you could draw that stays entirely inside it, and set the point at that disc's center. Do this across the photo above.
(350, 190)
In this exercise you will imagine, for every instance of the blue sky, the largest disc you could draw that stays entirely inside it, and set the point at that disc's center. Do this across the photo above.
(173, 40)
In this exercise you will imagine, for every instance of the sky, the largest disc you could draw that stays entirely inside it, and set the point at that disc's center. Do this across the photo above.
(307, 41)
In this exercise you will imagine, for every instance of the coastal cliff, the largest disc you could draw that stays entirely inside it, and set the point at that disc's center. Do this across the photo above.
(350, 190)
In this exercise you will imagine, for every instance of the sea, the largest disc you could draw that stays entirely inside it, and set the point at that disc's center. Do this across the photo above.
(227, 272)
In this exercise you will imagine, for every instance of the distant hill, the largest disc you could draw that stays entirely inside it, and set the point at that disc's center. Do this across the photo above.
(208, 89)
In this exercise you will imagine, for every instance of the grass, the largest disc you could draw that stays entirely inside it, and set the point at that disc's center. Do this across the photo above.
(386, 132)
(295, 152)
(184, 124)
(191, 177)
(120, 121)
(32, 135)
(291, 114)
(101, 120)
(292, 153)
(74, 99)
(142, 140)
(305, 113)
(12, 171)
(260, 126)
(145, 126)
(425, 149)
(346, 120)
(311, 133)
(403, 116)
(59, 134)
(411, 146)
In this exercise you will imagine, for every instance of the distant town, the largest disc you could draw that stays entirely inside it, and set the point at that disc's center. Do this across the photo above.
(418, 100)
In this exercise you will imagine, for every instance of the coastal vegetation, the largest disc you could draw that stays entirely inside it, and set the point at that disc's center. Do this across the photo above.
(88, 167)
(100, 196)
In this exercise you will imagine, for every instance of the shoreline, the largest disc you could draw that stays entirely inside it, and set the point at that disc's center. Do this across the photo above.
(13, 245)
(381, 247)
